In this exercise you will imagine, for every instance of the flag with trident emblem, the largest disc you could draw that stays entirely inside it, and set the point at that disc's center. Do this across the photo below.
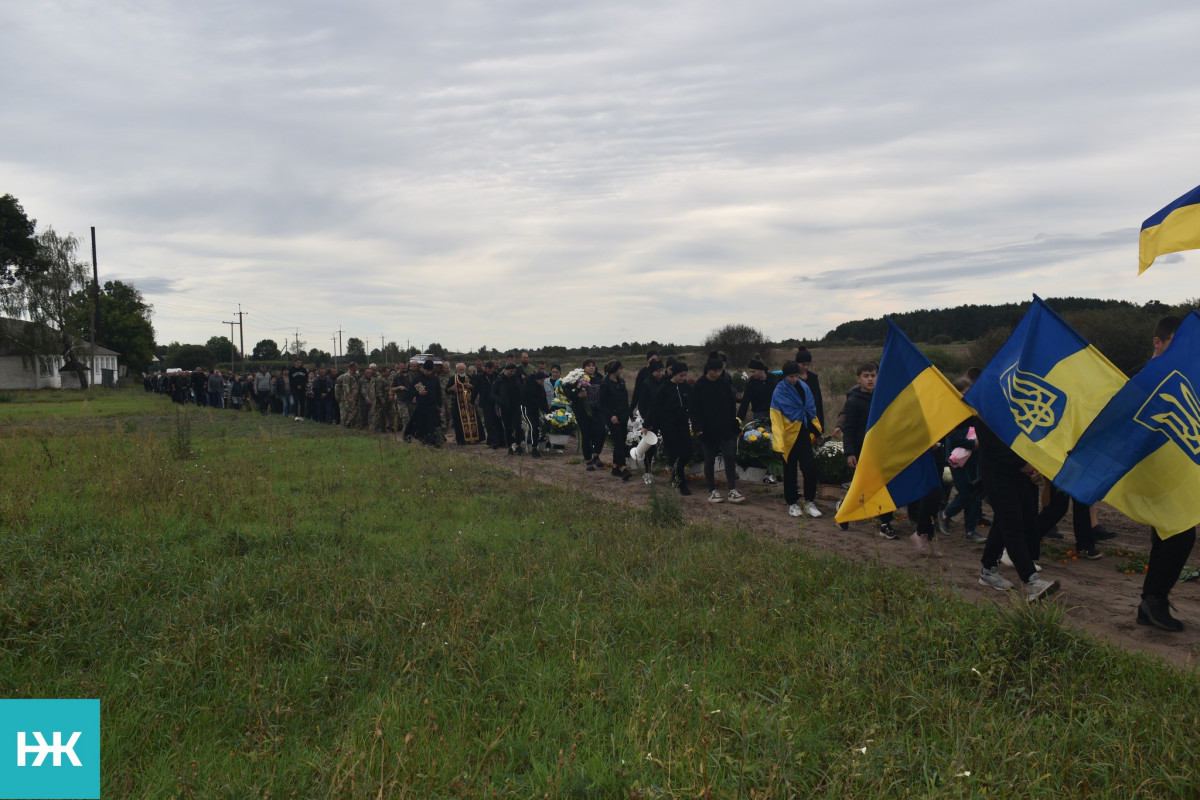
(1142, 453)
(1043, 389)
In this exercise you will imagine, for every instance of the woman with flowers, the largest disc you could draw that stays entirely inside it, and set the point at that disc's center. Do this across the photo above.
(576, 386)
(793, 417)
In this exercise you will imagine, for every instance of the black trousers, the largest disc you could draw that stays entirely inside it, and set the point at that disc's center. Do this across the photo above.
(800, 458)
(1013, 498)
(924, 511)
(1167, 557)
(620, 449)
(1056, 509)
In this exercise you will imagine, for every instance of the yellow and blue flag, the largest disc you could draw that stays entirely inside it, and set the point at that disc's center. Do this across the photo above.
(1171, 229)
(912, 408)
(1043, 389)
(1141, 455)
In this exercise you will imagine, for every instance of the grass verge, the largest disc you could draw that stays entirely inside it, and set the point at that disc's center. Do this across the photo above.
(296, 611)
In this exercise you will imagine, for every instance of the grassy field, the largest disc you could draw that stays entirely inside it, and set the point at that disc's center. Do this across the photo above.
(272, 608)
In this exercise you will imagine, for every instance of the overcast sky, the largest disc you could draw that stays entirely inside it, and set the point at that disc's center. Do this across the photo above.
(524, 173)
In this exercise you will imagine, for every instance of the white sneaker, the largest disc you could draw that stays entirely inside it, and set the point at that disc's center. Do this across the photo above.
(794, 510)
(1038, 587)
(647, 479)
(811, 508)
(736, 497)
(993, 578)
(715, 497)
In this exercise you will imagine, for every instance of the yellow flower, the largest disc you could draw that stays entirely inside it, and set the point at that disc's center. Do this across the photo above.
(753, 438)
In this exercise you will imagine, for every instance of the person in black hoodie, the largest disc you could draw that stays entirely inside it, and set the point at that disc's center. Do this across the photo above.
(533, 406)
(485, 384)
(614, 410)
(644, 402)
(803, 360)
(756, 397)
(714, 419)
(668, 416)
(506, 394)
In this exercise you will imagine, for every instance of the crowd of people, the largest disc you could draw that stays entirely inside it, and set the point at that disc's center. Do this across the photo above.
(668, 412)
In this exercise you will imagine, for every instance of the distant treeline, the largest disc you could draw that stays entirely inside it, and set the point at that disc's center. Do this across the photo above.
(970, 322)
(1117, 328)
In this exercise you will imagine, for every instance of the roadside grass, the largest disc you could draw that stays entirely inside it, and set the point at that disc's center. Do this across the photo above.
(48, 404)
(296, 611)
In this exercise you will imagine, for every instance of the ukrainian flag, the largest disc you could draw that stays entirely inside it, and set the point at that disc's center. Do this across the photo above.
(1142, 454)
(912, 408)
(1044, 388)
(1171, 229)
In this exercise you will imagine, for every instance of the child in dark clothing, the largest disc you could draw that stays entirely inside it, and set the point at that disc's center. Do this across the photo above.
(854, 430)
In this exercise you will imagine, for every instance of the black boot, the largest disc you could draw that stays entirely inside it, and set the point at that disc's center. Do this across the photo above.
(1156, 611)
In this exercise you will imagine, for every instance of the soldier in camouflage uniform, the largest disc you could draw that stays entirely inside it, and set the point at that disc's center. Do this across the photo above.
(347, 394)
(401, 392)
(366, 395)
(380, 389)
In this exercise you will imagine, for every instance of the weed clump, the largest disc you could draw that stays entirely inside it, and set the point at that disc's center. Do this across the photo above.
(180, 439)
(665, 511)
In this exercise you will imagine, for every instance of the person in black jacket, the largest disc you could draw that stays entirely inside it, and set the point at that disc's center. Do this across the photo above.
(756, 397)
(854, 418)
(427, 411)
(1011, 486)
(714, 419)
(804, 362)
(298, 383)
(485, 384)
(668, 416)
(614, 410)
(506, 394)
(533, 406)
(644, 402)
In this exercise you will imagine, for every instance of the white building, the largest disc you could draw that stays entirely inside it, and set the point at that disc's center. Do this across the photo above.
(24, 364)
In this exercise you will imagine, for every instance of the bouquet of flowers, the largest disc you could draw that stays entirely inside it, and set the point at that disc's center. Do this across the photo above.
(754, 447)
(559, 420)
(571, 381)
(831, 463)
(739, 379)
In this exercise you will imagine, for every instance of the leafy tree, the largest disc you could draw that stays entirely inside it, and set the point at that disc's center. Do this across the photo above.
(739, 342)
(21, 256)
(123, 324)
(437, 350)
(391, 353)
(319, 358)
(46, 297)
(190, 356)
(223, 350)
(266, 350)
(355, 349)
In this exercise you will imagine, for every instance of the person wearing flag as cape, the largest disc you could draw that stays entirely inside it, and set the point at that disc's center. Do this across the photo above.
(793, 418)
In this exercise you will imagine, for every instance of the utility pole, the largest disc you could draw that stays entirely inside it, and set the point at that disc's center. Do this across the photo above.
(339, 345)
(95, 306)
(382, 352)
(298, 343)
(242, 330)
(230, 324)
(334, 346)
